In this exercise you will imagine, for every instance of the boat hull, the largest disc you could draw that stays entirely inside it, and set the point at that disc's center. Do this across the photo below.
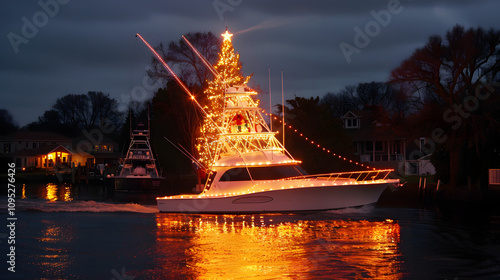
(282, 200)
(139, 185)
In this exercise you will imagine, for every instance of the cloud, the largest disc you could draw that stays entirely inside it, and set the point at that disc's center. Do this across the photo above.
(90, 45)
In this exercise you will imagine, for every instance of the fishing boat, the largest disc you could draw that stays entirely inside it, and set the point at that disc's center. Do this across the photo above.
(254, 173)
(250, 171)
(139, 172)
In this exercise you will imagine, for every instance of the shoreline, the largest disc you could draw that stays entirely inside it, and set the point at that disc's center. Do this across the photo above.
(408, 196)
(461, 198)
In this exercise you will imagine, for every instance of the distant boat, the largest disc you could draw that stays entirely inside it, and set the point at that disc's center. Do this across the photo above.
(139, 172)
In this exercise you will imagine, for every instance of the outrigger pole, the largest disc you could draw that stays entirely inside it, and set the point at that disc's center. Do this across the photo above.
(171, 72)
(203, 59)
(181, 84)
(183, 150)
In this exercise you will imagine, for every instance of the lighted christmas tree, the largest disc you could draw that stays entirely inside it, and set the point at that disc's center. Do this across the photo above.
(229, 68)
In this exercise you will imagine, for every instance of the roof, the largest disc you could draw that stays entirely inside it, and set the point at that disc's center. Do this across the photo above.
(35, 136)
(94, 139)
(375, 126)
(350, 115)
(43, 150)
(374, 133)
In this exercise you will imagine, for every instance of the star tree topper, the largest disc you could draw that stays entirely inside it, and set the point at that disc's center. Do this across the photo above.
(227, 35)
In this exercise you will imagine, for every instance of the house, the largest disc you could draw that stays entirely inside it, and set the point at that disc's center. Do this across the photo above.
(376, 140)
(382, 143)
(101, 147)
(36, 149)
(39, 149)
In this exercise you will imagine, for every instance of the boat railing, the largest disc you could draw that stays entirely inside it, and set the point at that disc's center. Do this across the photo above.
(355, 176)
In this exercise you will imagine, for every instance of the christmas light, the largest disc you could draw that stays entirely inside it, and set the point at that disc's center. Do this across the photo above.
(335, 179)
(318, 145)
(229, 68)
(238, 125)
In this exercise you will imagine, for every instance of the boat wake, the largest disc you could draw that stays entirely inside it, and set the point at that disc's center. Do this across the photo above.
(82, 206)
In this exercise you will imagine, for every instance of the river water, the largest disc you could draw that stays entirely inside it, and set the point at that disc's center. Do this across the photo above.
(65, 232)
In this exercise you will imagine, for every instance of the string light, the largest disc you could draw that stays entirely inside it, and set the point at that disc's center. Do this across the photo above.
(318, 145)
(229, 68)
(334, 179)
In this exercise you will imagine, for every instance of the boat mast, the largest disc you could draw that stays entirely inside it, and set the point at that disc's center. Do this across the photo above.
(270, 103)
(283, 107)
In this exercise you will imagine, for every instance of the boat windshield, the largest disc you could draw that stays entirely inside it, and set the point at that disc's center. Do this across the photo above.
(262, 173)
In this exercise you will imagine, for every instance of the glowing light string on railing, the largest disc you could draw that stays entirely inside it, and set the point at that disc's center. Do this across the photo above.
(318, 145)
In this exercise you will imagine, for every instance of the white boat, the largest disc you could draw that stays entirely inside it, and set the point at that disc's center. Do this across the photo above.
(254, 173)
(139, 172)
(249, 170)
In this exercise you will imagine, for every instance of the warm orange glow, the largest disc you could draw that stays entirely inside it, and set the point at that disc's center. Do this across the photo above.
(279, 246)
(56, 241)
(55, 192)
(51, 192)
(67, 194)
(229, 68)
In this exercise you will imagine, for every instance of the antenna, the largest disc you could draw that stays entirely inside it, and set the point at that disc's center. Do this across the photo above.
(283, 107)
(270, 103)
(130, 121)
(149, 122)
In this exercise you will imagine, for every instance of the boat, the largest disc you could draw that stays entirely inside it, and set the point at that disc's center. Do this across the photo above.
(250, 171)
(139, 172)
(254, 173)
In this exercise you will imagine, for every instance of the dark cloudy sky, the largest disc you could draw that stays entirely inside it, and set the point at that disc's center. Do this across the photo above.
(70, 46)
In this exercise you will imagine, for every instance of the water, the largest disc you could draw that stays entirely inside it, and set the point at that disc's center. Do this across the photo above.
(63, 232)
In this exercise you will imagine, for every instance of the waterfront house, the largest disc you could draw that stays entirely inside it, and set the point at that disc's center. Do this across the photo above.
(101, 147)
(41, 150)
(384, 143)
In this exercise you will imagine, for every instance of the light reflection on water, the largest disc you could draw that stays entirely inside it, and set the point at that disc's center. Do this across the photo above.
(55, 240)
(54, 192)
(277, 246)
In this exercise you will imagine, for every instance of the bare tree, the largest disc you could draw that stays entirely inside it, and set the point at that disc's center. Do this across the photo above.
(452, 71)
(175, 106)
(388, 97)
(7, 123)
(338, 104)
(373, 93)
(87, 111)
(189, 67)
